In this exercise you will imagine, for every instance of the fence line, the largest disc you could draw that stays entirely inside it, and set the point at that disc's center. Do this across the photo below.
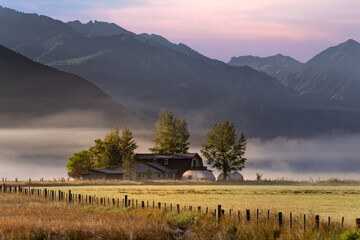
(88, 200)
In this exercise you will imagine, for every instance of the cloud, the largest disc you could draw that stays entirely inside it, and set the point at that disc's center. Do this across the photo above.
(327, 156)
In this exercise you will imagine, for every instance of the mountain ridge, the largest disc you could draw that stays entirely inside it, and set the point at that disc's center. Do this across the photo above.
(278, 66)
(332, 76)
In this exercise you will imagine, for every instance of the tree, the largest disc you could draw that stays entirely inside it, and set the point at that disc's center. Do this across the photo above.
(171, 134)
(112, 150)
(79, 164)
(97, 154)
(127, 148)
(224, 150)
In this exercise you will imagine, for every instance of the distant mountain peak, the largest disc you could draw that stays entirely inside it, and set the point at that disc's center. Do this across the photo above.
(278, 66)
(349, 44)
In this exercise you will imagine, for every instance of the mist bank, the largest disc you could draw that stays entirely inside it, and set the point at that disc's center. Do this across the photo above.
(43, 153)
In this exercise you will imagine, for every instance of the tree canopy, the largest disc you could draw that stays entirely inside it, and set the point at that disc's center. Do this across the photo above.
(79, 164)
(224, 150)
(171, 134)
(127, 148)
(112, 152)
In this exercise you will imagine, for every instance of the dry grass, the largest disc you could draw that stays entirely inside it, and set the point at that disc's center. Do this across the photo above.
(333, 201)
(25, 217)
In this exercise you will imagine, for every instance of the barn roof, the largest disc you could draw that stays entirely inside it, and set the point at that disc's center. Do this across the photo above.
(177, 156)
(105, 171)
(160, 167)
(141, 168)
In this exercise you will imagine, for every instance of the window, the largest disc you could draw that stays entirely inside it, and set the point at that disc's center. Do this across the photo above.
(155, 160)
(166, 161)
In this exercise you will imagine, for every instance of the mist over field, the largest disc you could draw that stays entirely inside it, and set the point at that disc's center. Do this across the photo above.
(36, 153)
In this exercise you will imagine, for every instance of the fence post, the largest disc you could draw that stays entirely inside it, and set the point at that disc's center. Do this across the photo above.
(328, 222)
(304, 222)
(257, 216)
(190, 208)
(358, 223)
(290, 221)
(70, 196)
(248, 215)
(178, 208)
(142, 204)
(317, 221)
(280, 219)
(206, 211)
(342, 222)
(159, 205)
(126, 199)
(170, 207)
(219, 213)
(199, 209)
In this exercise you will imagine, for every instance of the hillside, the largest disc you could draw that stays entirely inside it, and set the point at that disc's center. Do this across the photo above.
(332, 76)
(34, 94)
(277, 66)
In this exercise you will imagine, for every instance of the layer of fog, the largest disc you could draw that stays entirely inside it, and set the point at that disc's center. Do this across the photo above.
(43, 153)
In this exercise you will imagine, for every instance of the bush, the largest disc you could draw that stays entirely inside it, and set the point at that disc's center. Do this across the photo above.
(351, 235)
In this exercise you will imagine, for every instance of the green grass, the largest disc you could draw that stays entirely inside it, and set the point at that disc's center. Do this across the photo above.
(334, 201)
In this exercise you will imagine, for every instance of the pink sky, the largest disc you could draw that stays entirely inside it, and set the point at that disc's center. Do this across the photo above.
(222, 29)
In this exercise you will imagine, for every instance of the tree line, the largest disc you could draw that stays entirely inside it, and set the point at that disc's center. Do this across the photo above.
(223, 149)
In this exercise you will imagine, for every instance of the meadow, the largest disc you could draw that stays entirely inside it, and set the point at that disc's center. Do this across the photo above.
(334, 201)
(25, 216)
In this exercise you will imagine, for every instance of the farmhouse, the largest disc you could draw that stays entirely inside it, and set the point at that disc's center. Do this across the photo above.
(156, 167)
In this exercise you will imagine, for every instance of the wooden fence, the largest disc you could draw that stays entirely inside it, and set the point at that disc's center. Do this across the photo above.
(219, 213)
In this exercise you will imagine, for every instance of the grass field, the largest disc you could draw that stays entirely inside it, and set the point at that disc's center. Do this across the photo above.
(333, 201)
(34, 217)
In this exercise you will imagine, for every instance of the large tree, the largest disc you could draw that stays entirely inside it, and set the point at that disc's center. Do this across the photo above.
(171, 134)
(79, 164)
(112, 149)
(224, 150)
(97, 153)
(127, 148)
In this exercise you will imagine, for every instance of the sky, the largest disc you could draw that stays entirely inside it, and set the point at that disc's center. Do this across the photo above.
(220, 29)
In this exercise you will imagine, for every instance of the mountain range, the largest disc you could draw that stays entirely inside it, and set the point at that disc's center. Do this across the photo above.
(146, 72)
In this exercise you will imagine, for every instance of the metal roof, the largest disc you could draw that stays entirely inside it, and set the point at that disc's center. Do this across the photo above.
(141, 168)
(161, 167)
(104, 170)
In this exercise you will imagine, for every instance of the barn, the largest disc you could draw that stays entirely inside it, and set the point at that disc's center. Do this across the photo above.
(178, 162)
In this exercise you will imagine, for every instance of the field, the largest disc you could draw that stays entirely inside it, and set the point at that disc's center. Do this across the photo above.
(26, 216)
(333, 201)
